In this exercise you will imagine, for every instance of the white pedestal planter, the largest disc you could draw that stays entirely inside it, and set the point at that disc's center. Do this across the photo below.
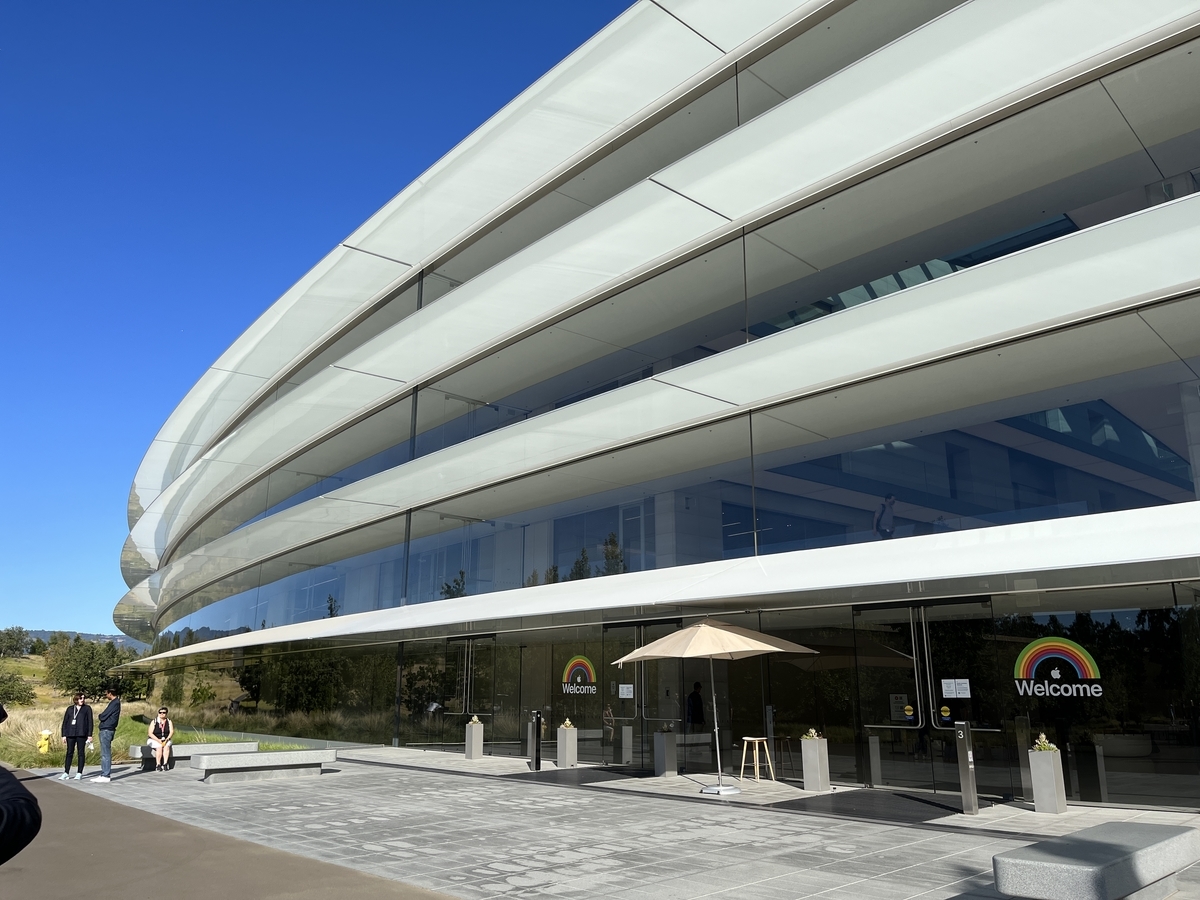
(474, 740)
(1049, 791)
(815, 755)
(568, 747)
(665, 759)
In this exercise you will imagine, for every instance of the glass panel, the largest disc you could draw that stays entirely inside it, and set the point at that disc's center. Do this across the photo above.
(692, 311)
(868, 110)
(598, 517)
(1127, 449)
(1131, 736)
(821, 691)
(898, 747)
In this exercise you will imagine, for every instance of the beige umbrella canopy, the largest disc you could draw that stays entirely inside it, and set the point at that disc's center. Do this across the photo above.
(711, 640)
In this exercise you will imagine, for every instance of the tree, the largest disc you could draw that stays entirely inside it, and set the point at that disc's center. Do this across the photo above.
(38, 647)
(79, 665)
(333, 606)
(581, 568)
(14, 641)
(202, 691)
(15, 690)
(172, 692)
(614, 559)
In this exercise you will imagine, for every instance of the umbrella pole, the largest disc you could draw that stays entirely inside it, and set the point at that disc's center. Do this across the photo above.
(720, 787)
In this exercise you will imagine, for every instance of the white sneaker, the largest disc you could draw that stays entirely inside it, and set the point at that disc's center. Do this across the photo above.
(101, 779)
(63, 777)
(78, 776)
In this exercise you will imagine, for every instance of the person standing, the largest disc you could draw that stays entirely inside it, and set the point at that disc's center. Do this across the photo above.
(76, 733)
(108, 729)
(695, 709)
(884, 524)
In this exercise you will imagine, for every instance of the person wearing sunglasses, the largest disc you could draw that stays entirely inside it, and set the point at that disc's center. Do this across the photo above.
(160, 733)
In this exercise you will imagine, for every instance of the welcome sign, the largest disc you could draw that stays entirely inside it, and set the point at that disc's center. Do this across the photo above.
(1067, 656)
(579, 676)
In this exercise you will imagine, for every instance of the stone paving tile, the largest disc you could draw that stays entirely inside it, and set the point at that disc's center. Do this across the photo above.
(491, 837)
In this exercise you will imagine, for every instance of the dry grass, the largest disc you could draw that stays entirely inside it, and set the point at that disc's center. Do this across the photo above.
(19, 736)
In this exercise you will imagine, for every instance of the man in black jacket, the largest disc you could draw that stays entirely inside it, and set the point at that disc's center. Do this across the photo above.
(108, 728)
(76, 732)
(20, 816)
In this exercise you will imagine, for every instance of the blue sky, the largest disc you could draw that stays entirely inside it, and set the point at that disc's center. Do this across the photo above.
(166, 171)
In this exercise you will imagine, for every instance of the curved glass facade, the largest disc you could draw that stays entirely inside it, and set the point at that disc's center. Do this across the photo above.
(772, 338)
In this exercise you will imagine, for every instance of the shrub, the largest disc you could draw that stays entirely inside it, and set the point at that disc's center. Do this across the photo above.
(16, 690)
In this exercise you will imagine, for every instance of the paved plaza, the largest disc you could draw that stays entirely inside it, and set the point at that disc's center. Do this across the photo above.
(489, 829)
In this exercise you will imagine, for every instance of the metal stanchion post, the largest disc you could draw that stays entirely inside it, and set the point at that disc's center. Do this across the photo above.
(966, 768)
(537, 740)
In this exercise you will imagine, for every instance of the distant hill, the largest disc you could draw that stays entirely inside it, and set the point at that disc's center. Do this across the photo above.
(121, 640)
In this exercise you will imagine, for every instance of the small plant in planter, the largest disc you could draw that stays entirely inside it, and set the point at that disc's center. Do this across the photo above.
(1042, 745)
(814, 753)
(1045, 768)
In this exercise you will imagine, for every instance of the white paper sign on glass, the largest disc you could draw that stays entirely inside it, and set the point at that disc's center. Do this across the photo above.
(626, 692)
(963, 686)
(949, 688)
(898, 702)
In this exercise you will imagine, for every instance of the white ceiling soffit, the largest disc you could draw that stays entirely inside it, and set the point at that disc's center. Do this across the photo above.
(1108, 541)
(856, 110)
(606, 87)
(960, 322)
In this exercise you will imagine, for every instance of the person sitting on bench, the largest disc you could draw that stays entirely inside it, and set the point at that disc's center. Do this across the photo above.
(160, 733)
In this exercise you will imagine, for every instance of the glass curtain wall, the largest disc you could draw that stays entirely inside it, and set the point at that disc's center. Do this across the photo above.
(886, 685)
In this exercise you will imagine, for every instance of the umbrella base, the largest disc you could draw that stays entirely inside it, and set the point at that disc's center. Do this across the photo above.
(721, 789)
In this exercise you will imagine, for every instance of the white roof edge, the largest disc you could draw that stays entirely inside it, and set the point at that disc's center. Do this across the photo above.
(809, 9)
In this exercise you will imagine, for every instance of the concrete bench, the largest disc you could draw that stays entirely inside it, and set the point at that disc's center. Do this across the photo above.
(1105, 862)
(145, 752)
(221, 767)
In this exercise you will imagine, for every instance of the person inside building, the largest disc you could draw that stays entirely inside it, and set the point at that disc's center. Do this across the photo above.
(884, 524)
(162, 730)
(76, 734)
(695, 709)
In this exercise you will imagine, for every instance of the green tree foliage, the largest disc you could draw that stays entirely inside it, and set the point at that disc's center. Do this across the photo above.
(38, 647)
(172, 692)
(15, 690)
(202, 691)
(551, 574)
(425, 684)
(79, 665)
(581, 568)
(456, 587)
(614, 559)
(250, 680)
(332, 606)
(14, 641)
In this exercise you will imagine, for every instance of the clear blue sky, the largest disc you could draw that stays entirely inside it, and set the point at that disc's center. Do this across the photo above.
(167, 170)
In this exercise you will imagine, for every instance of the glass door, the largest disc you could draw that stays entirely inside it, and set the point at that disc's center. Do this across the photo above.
(896, 748)
(920, 670)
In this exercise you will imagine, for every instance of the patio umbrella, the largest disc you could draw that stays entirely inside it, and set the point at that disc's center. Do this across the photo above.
(711, 640)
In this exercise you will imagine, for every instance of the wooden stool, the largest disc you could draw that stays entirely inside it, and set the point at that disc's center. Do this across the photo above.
(756, 742)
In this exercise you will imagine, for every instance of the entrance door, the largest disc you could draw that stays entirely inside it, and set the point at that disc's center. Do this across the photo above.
(921, 669)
